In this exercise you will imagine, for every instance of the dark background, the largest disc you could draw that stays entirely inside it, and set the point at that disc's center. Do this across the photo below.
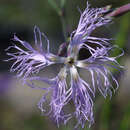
(18, 103)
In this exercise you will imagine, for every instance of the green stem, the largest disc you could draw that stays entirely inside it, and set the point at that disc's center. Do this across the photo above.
(62, 18)
(61, 13)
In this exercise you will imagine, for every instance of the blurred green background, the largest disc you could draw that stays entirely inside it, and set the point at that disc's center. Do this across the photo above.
(18, 103)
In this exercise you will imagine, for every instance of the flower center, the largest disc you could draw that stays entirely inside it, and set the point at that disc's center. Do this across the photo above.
(69, 61)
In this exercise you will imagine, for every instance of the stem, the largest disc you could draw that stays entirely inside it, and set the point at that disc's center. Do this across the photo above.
(62, 18)
(119, 11)
(60, 11)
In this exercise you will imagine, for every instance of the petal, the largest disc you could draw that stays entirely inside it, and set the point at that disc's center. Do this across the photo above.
(90, 19)
(29, 60)
(82, 99)
(102, 77)
(61, 95)
(24, 43)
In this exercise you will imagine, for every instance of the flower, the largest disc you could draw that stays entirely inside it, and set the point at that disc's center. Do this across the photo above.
(30, 61)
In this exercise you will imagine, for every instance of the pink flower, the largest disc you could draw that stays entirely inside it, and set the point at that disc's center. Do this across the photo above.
(30, 61)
